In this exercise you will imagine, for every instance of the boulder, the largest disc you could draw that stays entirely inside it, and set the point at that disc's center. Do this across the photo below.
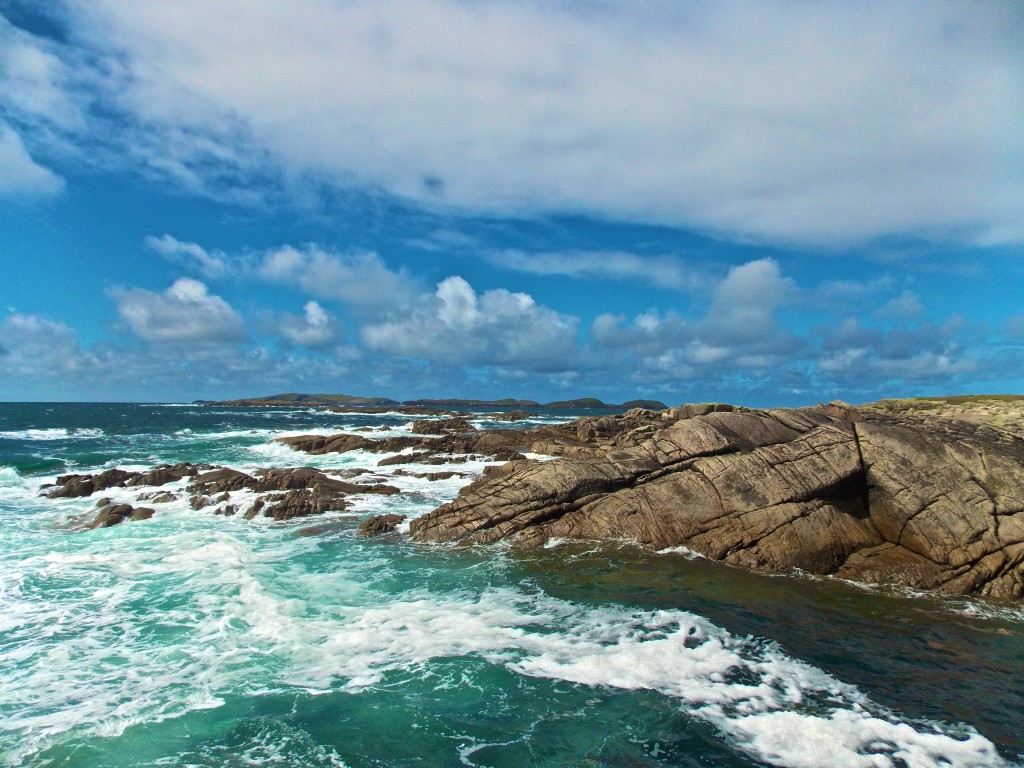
(379, 524)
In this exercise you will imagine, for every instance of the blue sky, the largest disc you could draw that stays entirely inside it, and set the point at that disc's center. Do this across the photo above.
(762, 203)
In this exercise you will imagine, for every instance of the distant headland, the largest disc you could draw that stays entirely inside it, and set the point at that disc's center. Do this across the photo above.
(352, 401)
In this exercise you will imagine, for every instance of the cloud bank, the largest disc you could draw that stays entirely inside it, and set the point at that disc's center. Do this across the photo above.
(825, 124)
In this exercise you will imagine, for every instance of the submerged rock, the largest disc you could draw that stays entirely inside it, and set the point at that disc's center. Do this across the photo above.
(929, 503)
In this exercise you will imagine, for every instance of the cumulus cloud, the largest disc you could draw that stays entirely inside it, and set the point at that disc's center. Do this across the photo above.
(316, 328)
(185, 313)
(361, 280)
(737, 332)
(210, 264)
(38, 348)
(20, 175)
(496, 328)
(744, 304)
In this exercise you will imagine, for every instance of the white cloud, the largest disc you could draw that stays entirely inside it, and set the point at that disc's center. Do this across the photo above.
(904, 306)
(184, 313)
(743, 305)
(496, 328)
(20, 175)
(316, 328)
(662, 271)
(738, 331)
(190, 255)
(37, 348)
(34, 80)
(361, 280)
(829, 124)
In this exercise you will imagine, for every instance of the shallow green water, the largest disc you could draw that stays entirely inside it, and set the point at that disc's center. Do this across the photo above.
(196, 640)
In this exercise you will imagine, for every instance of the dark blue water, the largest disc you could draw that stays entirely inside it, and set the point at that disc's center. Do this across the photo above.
(197, 640)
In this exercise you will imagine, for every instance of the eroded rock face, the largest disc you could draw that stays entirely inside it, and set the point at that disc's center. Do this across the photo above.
(932, 504)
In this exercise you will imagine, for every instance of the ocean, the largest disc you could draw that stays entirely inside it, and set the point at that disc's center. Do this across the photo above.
(191, 639)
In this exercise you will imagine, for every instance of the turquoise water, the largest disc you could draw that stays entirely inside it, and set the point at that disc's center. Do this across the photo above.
(196, 640)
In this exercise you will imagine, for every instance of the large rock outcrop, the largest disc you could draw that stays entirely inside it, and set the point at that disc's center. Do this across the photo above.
(931, 503)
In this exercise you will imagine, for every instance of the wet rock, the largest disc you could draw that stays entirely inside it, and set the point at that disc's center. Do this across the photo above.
(142, 513)
(157, 497)
(115, 514)
(380, 524)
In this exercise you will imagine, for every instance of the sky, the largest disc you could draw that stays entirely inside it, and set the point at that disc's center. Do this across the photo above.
(763, 203)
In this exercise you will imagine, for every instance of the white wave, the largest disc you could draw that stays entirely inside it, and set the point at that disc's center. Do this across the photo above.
(52, 433)
(686, 552)
(9, 478)
(245, 618)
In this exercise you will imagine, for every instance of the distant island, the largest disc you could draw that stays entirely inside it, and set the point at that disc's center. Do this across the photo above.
(352, 401)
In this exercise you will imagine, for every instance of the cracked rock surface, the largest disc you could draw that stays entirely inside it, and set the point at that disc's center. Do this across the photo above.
(923, 501)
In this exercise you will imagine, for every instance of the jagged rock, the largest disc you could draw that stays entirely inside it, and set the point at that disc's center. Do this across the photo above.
(380, 524)
(442, 426)
(74, 486)
(300, 502)
(931, 504)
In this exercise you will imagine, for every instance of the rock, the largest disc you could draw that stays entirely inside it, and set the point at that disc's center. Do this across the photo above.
(157, 497)
(441, 426)
(322, 444)
(301, 502)
(110, 515)
(511, 416)
(404, 458)
(933, 504)
(115, 514)
(76, 486)
(217, 481)
(380, 524)
(142, 513)
(73, 486)
(435, 476)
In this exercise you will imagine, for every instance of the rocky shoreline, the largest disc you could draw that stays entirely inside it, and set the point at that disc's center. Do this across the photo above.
(924, 494)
